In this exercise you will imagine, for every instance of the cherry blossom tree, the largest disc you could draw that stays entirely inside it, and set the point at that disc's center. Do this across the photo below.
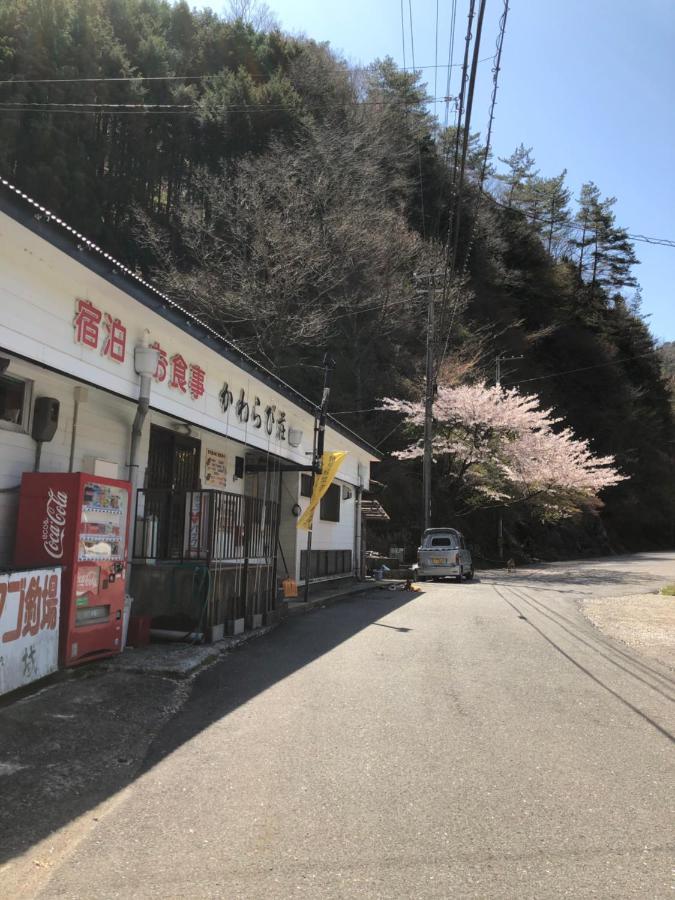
(499, 447)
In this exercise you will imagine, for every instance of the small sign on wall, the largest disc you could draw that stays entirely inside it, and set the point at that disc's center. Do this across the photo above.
(215, 469)
(29, 626)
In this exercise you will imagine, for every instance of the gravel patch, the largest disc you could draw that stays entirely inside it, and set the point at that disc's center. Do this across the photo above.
(645, 622)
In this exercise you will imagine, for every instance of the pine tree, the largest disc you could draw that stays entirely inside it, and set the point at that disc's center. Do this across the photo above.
(521, 172)
(606, 254)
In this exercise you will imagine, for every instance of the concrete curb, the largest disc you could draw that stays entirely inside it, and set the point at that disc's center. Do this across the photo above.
(178, 660)
(299, 608)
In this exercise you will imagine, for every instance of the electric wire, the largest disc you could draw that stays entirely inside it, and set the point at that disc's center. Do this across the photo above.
(412, 36)
(495, 85)
(419, 148)
(103, 79)
(99, 108)
(574, 226)
(436, 54)
(486, 156)
(614, 362)
(453, 210)
(451, 64)
(466, 133)
(389, 433)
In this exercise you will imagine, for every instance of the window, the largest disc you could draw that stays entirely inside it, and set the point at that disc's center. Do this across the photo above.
(305, 485)
(14, 403)
(445, 542)
(329, 511)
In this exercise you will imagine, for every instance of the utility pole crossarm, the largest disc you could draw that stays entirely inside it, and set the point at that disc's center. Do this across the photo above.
(499, 359)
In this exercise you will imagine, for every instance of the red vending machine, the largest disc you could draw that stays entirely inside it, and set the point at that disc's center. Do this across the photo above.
(80, 522)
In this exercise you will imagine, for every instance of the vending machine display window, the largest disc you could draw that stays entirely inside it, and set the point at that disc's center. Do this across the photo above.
(102, 523)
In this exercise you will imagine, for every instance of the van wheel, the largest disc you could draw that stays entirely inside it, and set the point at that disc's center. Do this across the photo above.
(469, 575)
(458, 578)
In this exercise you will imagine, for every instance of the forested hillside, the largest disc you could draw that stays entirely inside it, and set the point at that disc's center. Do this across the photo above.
(290, 199)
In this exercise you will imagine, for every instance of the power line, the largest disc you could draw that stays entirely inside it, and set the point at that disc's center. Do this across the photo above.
(457, 177)
(493, 100)
(495, 83)
(614, 362)
(97, 104)
(349, 412)
(436, 54)
(419, 148)
(452, 205)
(412, 36)
(94, 108)
(451, 64)
(574, 226)
(466, 133)
(103, 79)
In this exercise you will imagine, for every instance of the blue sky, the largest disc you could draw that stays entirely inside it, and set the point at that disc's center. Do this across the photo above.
(588, 84)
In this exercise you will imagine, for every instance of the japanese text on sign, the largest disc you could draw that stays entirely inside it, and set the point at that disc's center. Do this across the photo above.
(92, 326)
(97, 329)
(245, 412)
(29, 626)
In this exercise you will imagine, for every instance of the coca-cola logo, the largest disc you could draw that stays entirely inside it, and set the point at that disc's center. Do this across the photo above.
(54, 526)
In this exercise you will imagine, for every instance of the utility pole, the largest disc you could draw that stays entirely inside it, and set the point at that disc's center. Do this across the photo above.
(317, 455)
(499, 359)
(429, 391)
(498, 382)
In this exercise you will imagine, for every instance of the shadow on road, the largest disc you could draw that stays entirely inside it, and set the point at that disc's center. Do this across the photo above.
(77, 742)
(259, 665)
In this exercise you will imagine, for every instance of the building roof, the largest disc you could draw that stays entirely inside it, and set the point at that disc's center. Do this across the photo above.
(373, 509)
(47, 225)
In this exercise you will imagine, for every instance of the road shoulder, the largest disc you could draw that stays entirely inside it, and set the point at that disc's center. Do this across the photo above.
(644, 622)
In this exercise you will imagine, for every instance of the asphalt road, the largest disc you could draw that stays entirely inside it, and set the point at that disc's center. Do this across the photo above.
(480, 740)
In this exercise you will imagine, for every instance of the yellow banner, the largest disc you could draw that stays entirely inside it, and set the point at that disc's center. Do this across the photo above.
(330, 463)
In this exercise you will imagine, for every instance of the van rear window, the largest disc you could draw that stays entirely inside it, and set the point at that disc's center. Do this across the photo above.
(445, 542)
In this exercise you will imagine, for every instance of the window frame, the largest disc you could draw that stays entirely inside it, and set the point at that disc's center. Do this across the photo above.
(22, 427)
(305, 484)
(333, 491)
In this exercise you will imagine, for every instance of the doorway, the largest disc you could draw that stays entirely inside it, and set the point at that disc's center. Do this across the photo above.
(173, 460)
(173, 470)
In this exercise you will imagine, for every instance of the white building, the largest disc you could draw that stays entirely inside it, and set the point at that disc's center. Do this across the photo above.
(223, 448)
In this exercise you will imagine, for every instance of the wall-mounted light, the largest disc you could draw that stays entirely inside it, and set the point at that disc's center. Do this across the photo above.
(347, 492)
(4, 364)
(294, 437)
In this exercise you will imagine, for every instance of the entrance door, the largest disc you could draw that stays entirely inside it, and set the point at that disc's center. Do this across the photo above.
(173, 460)
(173, 469)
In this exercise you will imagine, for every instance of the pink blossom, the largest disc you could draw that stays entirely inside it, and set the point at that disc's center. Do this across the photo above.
(506, 448)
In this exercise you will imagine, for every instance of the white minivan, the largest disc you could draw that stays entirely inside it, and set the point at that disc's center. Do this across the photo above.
(443, 554)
